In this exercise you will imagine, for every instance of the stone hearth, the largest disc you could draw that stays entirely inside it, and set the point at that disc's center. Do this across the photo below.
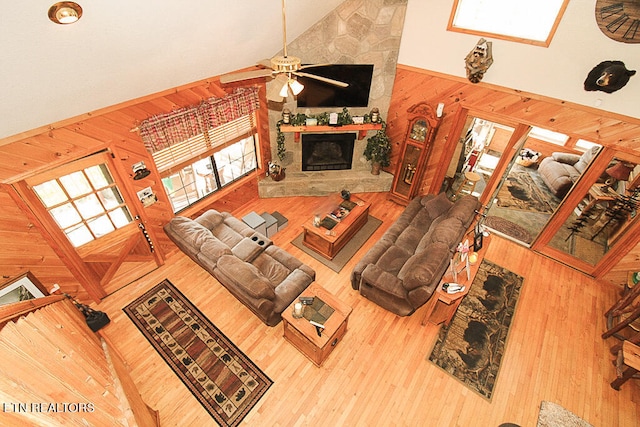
(324, 182)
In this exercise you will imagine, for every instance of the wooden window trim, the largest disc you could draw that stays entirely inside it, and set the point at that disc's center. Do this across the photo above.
(545, 43)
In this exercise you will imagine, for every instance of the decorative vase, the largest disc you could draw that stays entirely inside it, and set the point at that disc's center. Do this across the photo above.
(278, 176)
(375, 168)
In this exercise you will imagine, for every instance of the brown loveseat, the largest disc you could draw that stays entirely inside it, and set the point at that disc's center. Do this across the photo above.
(560, 171)
(261, 275)
(401, 271)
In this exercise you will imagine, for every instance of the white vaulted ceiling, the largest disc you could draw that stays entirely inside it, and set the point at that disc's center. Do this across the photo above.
(121, 50)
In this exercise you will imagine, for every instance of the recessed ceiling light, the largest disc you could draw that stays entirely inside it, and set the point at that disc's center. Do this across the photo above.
(65, 12)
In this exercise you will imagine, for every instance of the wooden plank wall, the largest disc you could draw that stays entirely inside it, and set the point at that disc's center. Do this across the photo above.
(51, 356)
(413, 85)
(40, 149)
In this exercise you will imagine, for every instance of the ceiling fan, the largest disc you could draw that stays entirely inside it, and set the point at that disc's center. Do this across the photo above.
(284, 69)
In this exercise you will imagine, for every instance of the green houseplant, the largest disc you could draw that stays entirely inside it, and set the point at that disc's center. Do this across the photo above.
(378, 150)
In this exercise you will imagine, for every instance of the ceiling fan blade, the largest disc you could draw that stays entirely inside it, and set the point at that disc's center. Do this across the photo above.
(322, 79)
(302, 67)
(245, 75)
(265, 63)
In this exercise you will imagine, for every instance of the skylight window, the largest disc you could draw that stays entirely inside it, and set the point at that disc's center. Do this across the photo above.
(523, 21)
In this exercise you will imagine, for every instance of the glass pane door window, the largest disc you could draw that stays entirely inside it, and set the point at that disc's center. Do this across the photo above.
(86, 204)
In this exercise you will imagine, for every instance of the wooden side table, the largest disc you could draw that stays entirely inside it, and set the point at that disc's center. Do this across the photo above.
(303, 335)
(442, 306)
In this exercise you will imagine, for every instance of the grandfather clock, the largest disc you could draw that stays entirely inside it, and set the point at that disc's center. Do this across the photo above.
(414, 152)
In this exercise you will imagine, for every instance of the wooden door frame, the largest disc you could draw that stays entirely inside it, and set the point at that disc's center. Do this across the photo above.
(30, 204)
(631, 237)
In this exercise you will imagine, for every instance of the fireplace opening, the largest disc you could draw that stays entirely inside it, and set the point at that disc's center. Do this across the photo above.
(327, 151)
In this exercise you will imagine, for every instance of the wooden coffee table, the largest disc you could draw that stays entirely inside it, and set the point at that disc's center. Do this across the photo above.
(303, 335)
(329, 242)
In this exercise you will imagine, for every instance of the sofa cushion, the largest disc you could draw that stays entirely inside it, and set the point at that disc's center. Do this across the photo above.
(566, 158)
(210, 219)
(393, 259)
(274, 271)
(189, 233)
(464, 209)
(213, 248)
(447, 232)
(437, 205)
(246, 277)
(585, 159)
(421, 269)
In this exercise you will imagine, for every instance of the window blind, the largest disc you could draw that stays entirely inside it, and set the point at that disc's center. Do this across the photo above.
(173, 158)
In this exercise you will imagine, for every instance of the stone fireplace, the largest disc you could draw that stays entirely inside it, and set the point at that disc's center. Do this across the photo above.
(325, 162)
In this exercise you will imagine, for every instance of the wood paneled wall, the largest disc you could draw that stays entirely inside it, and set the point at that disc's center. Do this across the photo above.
(110, 129)
(51, 357)
(413, 85)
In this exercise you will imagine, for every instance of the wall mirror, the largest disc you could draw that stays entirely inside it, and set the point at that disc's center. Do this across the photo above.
(603, 214)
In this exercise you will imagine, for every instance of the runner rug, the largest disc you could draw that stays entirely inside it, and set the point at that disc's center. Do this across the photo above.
(472, 346)
(223, 379)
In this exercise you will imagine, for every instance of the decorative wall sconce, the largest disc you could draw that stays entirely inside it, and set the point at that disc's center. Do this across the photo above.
(140, 171)
(65, 12)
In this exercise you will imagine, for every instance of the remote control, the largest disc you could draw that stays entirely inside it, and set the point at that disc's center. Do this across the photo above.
(306, 300)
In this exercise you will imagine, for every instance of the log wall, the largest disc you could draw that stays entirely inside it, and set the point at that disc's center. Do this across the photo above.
(508, 106)
(110, 129)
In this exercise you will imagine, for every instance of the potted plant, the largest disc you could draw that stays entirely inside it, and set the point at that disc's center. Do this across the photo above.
(378, 150)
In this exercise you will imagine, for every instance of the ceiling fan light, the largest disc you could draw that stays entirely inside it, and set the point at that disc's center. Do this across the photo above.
(284, 92)
(65, 12)
(296, 86)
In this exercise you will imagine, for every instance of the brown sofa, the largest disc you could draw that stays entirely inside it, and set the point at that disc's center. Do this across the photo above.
(561, 170)
(261, 275)
(401, 271)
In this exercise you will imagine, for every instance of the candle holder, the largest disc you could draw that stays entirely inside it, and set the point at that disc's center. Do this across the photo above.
(298, 310)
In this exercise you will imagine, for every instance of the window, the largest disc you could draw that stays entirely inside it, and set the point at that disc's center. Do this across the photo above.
(201, 165)
(522, 21)
(85, 203)
(549, 136)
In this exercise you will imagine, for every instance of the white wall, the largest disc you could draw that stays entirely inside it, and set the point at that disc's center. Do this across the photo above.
(558, 71)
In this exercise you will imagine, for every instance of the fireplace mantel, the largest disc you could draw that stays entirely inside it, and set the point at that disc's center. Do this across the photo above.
(361, 129)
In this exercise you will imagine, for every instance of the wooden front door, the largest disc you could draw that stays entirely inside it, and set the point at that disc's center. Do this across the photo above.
(91, 223)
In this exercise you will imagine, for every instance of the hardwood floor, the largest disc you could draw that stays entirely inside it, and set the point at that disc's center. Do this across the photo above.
(380, 374)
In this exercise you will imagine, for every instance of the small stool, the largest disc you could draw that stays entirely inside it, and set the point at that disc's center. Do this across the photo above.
(271, 223)
(469, 183)
(256, 222)
(629, 357)
(282, 220)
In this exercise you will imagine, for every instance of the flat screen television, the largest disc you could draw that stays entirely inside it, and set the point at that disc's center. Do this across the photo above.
(321, 94)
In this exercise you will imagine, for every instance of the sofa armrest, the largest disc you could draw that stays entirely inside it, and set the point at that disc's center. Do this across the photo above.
(380, 279)
(290, 288)
(246, 277)
(371, 257)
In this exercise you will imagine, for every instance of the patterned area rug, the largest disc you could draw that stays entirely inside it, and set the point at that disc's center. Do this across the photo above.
(223, 379)
(472, 346)
(508, 228)
(519, 191)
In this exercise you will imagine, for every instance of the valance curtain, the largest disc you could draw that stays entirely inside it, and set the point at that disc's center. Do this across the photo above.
(163, 130)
